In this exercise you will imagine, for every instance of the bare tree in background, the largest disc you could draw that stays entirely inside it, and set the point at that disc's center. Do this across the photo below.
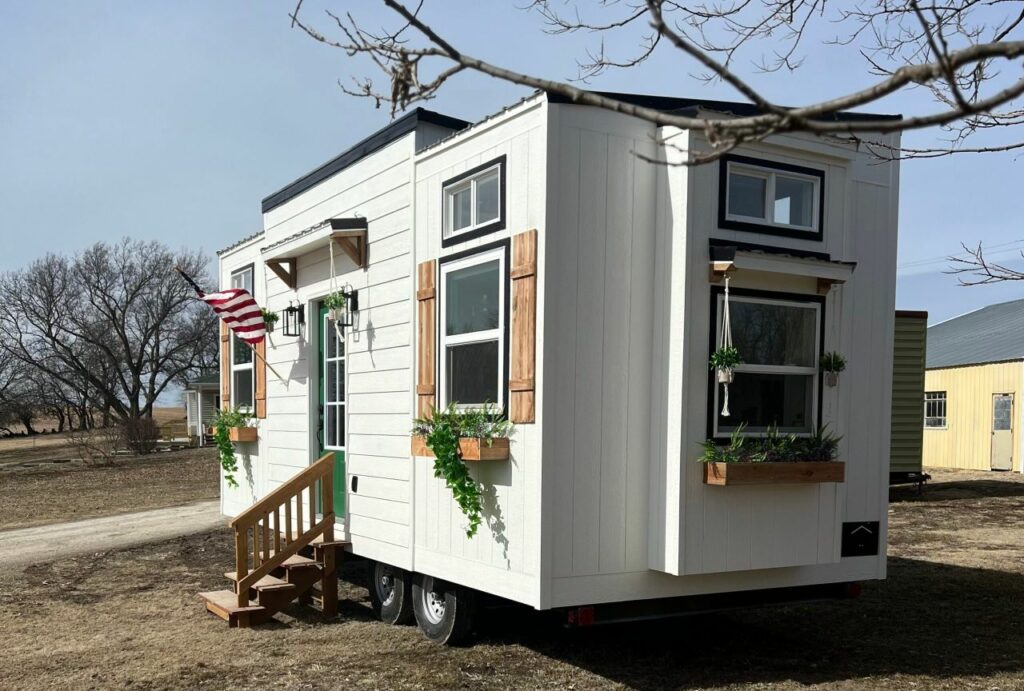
(975, 269)
(114, 325)
(969, 54)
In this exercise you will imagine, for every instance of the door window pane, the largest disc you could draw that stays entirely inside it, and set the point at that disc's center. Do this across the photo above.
(462, 208)
(774, 334)
(747, 195)
(794, 201)
(471, 299)
(1002, 413)
(760, 400)
(487, 198)
(472, 371)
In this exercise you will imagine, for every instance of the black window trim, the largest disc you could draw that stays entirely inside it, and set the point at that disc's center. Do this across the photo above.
(766, 228)
(492, 227)
(716, 291)
(506, 246)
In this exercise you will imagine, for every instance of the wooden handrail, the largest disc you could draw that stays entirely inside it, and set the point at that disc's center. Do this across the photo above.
(272, 542)
(323, 466)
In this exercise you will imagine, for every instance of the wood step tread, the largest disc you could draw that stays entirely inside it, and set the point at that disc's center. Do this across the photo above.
(227, 602)
(319, 541)
(265, 583)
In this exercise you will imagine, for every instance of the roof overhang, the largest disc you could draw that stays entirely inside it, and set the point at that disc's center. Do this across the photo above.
(725, 259)
(349, 235)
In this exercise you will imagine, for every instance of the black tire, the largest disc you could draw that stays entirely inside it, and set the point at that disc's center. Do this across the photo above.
(390, 593)
(444, 612)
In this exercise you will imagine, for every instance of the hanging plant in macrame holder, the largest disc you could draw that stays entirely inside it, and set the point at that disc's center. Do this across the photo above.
(726, 357)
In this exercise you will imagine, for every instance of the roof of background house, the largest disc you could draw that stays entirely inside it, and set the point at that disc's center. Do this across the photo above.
(990, 334)
(204, 380)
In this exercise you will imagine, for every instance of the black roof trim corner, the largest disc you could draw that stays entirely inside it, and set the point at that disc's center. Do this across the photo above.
(378, 140)
(689, 106)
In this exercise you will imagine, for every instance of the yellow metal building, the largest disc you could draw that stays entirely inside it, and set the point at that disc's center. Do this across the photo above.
(974, 385)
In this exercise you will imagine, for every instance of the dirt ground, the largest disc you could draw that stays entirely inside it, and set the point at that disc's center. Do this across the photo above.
(51, 486)
(950, 616)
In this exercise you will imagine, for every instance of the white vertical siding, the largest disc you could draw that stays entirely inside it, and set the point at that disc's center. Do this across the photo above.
(599, 329)
(503, 557)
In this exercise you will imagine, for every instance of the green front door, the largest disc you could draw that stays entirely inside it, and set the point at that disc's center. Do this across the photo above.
(331, 431)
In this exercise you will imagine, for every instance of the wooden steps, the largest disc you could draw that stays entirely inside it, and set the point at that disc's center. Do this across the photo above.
(276, 537)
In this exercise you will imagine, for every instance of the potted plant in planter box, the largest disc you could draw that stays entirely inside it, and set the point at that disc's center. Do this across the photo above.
(832, 364)
(335, 304)
(231, 426)
(454, 436)
(775, 458)
(724, 361)
(269, 318)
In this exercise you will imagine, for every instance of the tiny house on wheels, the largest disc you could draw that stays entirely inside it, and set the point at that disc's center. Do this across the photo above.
(537, 262)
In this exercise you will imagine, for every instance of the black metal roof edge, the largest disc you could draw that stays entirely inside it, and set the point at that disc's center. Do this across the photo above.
(378, 140)
(677, 104)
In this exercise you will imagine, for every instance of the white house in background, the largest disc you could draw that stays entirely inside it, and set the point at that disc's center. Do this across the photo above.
(202, 400)
(538, 235)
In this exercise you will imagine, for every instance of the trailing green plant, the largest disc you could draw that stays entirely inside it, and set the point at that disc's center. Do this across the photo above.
(773, 447)
(442, 430)
(725, 357)
(833, 362)
(225, 421)
(269, 318)
(336, 300)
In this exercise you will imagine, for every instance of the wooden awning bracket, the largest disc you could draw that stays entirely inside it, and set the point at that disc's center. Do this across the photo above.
(825, 285)
(286, 270)
(353, 244)
(718, 269)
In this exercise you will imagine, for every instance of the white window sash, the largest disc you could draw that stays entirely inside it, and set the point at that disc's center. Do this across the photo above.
(486, 336)
(770, 175)
(339, 357)
(811, 371)
(242, 367)
(449, 202)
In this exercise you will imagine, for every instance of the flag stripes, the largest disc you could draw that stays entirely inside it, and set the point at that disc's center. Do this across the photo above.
(237, 308)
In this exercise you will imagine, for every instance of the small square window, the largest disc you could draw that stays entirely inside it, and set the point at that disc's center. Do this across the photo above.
(474, 202)
(935, 409)
(773, 198)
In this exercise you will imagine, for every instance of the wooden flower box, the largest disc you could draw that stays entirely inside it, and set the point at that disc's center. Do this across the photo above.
(472, 448)
(783, 473)
(242, 434)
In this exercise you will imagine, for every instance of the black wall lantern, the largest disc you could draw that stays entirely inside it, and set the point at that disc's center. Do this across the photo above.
(294, 318)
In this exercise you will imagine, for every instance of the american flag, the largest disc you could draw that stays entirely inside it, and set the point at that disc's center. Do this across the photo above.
(237, 308)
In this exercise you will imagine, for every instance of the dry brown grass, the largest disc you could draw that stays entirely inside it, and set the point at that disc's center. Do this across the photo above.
(949, 617)
(57, 492)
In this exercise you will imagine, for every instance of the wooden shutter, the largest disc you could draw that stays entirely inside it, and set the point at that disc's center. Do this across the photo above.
(521, 385)
(259, 366)
(225, 366)
(426, 338)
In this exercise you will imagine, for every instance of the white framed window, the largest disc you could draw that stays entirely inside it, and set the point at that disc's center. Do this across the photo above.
(472, 333)
(474, 202)
(769, 197)
(243, 384)
(935, 409)
(779, 340)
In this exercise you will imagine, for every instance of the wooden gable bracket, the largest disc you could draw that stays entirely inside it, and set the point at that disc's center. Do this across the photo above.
(825, 284)
(723, 260)
(349, 234)
(286, 270)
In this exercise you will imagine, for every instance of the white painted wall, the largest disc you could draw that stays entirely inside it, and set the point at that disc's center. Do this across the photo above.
(504, 556)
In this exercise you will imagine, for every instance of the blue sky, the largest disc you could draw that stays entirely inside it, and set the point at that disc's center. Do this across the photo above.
(172, 120)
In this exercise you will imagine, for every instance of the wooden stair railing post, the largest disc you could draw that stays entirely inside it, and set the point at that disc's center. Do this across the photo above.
(330, 578)
(241, 563)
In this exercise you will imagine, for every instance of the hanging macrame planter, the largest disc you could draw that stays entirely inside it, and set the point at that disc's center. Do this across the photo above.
(725, 358)
(335, 310)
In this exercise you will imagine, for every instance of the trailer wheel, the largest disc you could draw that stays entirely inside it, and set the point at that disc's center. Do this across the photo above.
(444, 612)
(390, 593)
